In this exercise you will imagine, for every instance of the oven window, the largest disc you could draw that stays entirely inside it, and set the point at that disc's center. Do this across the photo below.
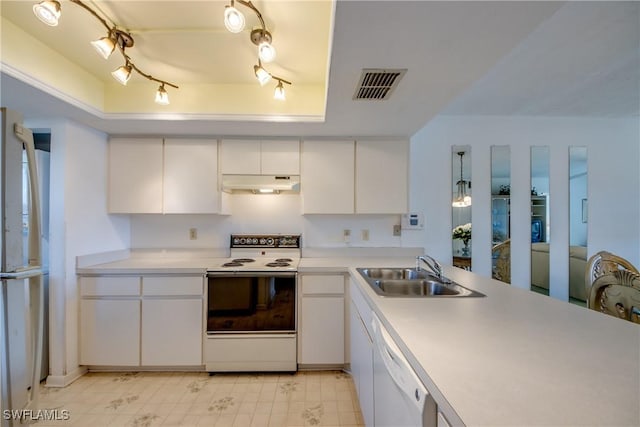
(251, 304)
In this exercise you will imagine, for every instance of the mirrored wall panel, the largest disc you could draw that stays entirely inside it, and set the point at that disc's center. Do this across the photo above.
(578, 220)
(461, 202)
(540, 227)
(501, 212)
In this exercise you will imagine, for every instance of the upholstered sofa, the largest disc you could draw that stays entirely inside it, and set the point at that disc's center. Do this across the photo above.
(577, 268)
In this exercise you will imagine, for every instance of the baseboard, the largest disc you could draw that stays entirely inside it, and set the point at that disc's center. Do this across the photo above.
(65, 380)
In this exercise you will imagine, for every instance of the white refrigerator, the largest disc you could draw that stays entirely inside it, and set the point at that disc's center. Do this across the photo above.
(21, 296)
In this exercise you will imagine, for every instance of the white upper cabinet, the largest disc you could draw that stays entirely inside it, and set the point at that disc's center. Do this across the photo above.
(190, 176)
(135, 175)
(327, 177)
(255, 157)
(240, 157)
(280, 157)
(149, 175)
(382, 170)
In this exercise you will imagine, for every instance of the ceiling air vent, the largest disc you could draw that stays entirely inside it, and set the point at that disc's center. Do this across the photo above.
(377, 83)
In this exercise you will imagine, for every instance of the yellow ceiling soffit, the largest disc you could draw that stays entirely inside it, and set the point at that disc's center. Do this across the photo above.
(28, 59)
(32, 61)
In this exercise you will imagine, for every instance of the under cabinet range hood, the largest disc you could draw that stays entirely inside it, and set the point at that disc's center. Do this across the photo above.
(261, 184)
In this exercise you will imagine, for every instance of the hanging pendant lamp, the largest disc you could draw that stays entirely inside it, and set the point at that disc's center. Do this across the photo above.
(462, 198)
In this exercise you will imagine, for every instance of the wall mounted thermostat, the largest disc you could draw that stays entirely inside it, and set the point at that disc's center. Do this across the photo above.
(412, 221)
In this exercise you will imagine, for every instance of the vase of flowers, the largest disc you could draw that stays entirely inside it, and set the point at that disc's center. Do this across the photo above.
(463, 232)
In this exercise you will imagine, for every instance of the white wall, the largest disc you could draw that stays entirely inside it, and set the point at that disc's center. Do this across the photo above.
(267, 213)
(79, 225)
(613, 155)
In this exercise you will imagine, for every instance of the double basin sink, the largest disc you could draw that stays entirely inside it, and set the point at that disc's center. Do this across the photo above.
(411, 282)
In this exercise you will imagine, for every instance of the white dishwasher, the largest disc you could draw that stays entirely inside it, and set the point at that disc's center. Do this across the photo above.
(400, 397)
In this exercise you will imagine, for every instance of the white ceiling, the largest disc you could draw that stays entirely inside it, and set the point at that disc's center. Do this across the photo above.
(496, 58)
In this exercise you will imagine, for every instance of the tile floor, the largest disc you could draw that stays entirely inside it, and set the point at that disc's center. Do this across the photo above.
(322, 398)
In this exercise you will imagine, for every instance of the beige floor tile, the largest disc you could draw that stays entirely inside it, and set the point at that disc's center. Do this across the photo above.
(192, 399)
(347, 418)
(260, 420)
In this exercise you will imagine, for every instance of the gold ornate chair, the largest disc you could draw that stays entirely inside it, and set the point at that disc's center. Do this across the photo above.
(502, 254)
(603, 263)
(617, 294)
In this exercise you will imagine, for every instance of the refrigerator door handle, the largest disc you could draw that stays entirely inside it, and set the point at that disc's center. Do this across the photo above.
(26, 136)
(36, 291)
(22, 274)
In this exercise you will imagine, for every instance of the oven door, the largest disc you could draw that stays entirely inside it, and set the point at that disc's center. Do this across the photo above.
(251, 302)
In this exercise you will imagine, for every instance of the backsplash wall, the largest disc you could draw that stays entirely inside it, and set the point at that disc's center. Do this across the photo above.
(264, 214)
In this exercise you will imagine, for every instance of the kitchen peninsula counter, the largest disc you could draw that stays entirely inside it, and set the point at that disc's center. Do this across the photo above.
(516, 357)
(511, 358)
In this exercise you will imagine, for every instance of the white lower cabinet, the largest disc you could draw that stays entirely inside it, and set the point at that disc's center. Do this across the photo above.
(361, 353)
(109, 332)
(322, 320)
(141, 320)
(362, 364)
(171, 332)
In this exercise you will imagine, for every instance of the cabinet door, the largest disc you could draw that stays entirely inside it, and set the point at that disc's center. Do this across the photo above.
(362, 364)
(190, 176)
(110, 332)
(322, 330)
(382, 173)
(327, 177)
(280, 157)
(240, 157)
(172, 332)
(135, 175)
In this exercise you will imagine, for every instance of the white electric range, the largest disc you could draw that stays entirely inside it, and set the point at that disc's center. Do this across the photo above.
(251, 305)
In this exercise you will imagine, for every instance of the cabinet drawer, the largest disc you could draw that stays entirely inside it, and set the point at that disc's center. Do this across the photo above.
(323, 284)
(110, 286)
(177, 285)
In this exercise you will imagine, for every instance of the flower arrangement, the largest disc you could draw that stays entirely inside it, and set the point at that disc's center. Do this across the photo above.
(462, 232)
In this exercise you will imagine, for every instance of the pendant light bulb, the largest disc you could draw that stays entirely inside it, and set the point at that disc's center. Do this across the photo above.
(266, 51)
(48, 11)
(261, 74)
(162, 97)
(122, 74)
(105, 46)
(233, 19)
(279, 92)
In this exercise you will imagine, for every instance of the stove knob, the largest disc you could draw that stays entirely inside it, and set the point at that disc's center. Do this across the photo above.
(255, 241)
(236, 240)
(243, 241)
(263, 241)
(270, 241)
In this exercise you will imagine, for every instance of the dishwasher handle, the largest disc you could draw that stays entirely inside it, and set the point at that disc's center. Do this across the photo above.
(397, 365)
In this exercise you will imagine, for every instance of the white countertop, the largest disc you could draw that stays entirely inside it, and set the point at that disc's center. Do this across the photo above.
(518, 358)
(511, 358)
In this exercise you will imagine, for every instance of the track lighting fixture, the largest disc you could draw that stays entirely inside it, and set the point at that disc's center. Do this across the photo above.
(261, 74)
(162, 97)
(122, 74)
(233, 18)
(49, 11)
(234, 21)
(279, 92)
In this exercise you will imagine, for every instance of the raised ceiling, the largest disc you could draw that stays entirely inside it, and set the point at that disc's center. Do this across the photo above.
(471, 58)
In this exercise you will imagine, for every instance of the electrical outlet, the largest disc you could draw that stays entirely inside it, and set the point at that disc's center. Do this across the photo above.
(365, 235)
(346, 235)
(193, 233)
(397, 230)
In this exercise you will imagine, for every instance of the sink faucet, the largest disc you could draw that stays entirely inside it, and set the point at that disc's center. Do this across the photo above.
(433, 265)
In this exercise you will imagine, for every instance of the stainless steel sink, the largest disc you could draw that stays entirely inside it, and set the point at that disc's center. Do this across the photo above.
(412, 283)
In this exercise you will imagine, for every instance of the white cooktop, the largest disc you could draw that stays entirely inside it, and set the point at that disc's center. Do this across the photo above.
(268, 259)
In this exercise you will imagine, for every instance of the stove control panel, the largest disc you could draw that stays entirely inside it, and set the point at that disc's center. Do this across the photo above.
(265, 241)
